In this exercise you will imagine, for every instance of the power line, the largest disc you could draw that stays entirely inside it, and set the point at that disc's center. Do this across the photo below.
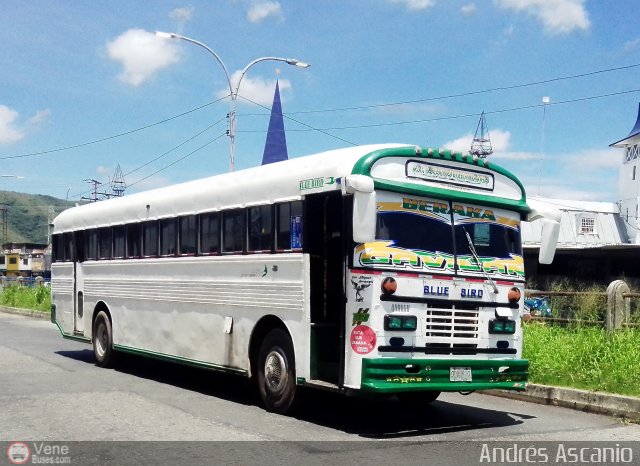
(96, 141)
(450, 117)
(310, 128)
(470, 93)
(175, 147)
(178, 160)
(428, 99)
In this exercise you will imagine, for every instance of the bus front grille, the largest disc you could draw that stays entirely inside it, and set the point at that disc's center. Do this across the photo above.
(452, 323)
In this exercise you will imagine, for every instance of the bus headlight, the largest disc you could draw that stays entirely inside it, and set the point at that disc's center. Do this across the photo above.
(406, 323)
(502, 326)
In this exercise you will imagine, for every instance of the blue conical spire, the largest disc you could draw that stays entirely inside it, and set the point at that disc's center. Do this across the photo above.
(275, 147)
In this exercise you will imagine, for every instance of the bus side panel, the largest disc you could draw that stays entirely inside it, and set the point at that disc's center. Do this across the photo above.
(199, 309)
(62, 295)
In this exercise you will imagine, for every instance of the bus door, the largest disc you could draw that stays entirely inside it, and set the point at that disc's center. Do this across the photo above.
(324, 241)
(78, 284)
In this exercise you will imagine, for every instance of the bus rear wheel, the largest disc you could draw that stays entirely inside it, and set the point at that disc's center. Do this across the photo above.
(276, 372)
(103, 340)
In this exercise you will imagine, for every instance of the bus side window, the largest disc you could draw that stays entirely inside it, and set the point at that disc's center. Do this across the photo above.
(119, 242)
(67, 239)
(150, 239)
(260, 229)
(168, 237)
(91, 244)
(233, 231)
(104, 243)
(134, 240)
(210, 233)
(187, 235)
(58, 248)
(289, 226)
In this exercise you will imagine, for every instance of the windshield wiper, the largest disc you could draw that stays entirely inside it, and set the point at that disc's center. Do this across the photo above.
(477, 258)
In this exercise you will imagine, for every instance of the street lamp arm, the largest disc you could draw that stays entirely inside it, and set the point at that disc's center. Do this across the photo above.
(173, 35)
(288, 61)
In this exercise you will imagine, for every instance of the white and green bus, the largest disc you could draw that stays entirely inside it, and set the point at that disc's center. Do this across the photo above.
(387, 269)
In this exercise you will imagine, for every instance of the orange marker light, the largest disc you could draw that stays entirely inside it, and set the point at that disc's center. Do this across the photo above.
(514, 295)
(389, 285)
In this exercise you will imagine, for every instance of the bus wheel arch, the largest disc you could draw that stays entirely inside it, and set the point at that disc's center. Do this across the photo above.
(273, 364)
(102, 335)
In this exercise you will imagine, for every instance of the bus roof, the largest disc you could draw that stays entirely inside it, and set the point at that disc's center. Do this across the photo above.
(396, 167)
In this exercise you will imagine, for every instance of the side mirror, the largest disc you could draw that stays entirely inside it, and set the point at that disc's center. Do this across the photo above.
(364, 217)
(550, 220)
(364, 207)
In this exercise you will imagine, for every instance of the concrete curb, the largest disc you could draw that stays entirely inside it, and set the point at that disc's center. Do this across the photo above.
(627, 407)
(25, 312)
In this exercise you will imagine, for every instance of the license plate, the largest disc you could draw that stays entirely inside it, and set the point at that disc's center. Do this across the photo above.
(460, 374)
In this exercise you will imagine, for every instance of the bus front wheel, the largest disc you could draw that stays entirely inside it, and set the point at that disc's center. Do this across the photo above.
(103, 340)
(276, 372)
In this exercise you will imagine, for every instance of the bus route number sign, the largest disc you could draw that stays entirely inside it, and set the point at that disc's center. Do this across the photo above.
(460, 374)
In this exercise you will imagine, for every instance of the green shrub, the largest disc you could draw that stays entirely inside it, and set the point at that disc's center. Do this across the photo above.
(37, 298)
(583, 357)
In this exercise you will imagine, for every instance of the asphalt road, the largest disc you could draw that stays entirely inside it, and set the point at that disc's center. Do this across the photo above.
(51, 391)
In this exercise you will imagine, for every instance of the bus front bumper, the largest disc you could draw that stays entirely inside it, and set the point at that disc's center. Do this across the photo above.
(387, 375)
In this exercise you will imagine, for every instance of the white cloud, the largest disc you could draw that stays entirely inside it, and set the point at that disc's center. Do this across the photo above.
(557, 16)
(500, 142)
(9, 132)
(182, 15)
(468, 9)
(631, 45)
(257, 90)
(41, 117)
(141, 54)
(415, 5)
(262, 10)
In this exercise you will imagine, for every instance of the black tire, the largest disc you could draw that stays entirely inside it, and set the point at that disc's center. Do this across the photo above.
(103, 340)
(418, 398)
(276, 372)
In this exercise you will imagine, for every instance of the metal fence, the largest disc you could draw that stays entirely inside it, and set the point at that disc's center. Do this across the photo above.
(6, 282)
(617, 307)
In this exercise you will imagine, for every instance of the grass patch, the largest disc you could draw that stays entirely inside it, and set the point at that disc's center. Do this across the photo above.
(36, 298)
(584, 357)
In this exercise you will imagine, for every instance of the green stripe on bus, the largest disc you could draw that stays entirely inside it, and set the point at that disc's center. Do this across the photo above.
(179, 360)
(390, 375)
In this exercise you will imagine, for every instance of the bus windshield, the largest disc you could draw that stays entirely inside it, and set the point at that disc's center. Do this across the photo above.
(434, 235)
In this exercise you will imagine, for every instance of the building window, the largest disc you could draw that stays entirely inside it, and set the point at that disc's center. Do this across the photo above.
(587, 226)
(633, 152)
(13, 261)
(633, 174)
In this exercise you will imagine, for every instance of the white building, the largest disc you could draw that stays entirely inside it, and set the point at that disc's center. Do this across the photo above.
(630, 181)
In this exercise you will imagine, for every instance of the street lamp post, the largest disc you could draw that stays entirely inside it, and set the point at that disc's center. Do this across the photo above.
(232, 92)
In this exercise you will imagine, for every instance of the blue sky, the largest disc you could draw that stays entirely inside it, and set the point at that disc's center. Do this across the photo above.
(74, 73)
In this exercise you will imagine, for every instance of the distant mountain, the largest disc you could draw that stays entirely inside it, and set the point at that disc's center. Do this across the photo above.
(28, 216)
